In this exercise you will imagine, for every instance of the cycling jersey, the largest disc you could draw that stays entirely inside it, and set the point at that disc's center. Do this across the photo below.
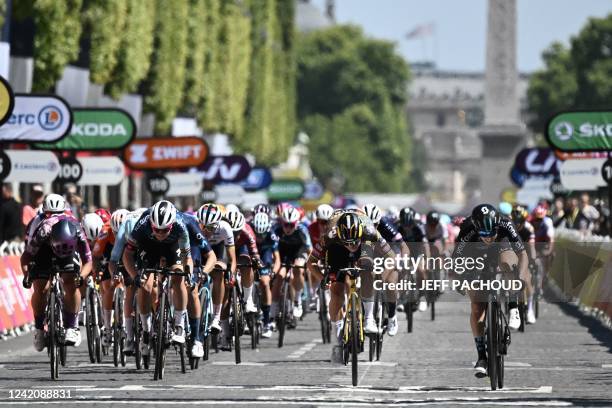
(121, 239)
(246, 242)
(294, 245)
(267, 244)
(142, 234)
(413, 233)
(104, 242)
(436, 233)
(388, 230)
(316, 232)
(370, 235)
(526, 232)
(196, 236)
(505, 231)
(545, 232)
(223, 234)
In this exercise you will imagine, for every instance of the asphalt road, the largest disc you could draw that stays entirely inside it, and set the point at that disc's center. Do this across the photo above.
(564, 360)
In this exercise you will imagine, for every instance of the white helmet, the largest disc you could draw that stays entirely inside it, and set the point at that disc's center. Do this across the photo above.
(54, 203)
(231, 208)
(138, 212)
(290, 215)
(209, 214)
(393, 212)
(236, 220)
(92, 224)
(373, 212)
(324, 212)
(117, 218)
(261, 223)
(163, 214)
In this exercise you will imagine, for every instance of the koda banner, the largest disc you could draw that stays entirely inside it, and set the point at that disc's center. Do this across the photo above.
(580, 131)
(97, 129)
(7, 100)
(37, 118)
(165, 153)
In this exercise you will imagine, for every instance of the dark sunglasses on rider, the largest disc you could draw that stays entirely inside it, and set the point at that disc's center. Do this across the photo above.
(487, 234)
(161, 230)
(351, 242)
(289, 225)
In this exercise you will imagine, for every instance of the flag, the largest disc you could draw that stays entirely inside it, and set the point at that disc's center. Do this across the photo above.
(422, 30)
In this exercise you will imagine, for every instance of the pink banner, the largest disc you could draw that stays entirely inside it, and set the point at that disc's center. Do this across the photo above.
(15, 307)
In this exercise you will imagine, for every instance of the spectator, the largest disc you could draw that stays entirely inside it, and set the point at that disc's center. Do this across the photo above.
(74, 201)
(588, 210)
(36, 199)
(558, 212)
(574, 218)
(10, 216)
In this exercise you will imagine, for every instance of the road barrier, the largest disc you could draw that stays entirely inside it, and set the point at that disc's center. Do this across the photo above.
(15, 309)
(582, 269)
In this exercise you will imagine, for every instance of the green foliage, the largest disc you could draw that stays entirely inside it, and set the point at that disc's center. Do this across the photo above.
(2, 12)
(213, 74)
(56, 43)
(167, 75)
(575, 78)
(106, 19)
(134, 54)
(352, 92)
(196, 40)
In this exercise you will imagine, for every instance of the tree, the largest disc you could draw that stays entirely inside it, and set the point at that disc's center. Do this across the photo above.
(351, 97)
(574, 78)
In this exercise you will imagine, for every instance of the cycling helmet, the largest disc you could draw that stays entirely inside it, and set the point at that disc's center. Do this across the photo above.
(433, 218)
(117, 219)
(261, 223)
(349, 228)
(209, 214)
(373, 212)
(282, 207)
(261, 208)
(236, 220)
(103, 214)
(231, 208)
(519, 214)
(92, 224)
(64, 238)
(406, 216)
(539, 212)
(393, 212)
(290, 215)
(324, 212)
(163, 214)
(505, 208)
(485, 218)
(457, 221)
(54, 203)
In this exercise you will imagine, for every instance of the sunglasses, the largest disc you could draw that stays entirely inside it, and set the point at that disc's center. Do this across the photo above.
(162, 230)
(352, 242)
(211, 227)
(289, 225)
(487, 234)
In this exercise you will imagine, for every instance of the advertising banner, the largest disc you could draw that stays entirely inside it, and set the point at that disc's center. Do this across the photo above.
(37, 118)
(70, 170)
(183, 184)
(97, 129)
(157, 184)
(580, 131)
(15, 307)
(105, 171)
(582, 174)
(313, 190)
(580, 155)
(7, 100)
(225, 169)
(165, 153)
(537, 161)
(229, 194)
(517, 176)
(31, 166)
(285, 190)
(258, 179)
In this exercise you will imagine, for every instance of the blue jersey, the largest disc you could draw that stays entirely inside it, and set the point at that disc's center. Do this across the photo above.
(267, 242)
(142, 234)
(196, 236)
(300, 238)
(388, 231)
(121, 238)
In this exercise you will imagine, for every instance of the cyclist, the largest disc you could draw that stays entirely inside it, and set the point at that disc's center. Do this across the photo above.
(57, 239)
(92, 225)
(413, 234)
(544, 234)
(317, 229)
(488, 233)
(103, 214)
(53, 204)
(267, 245)
(353, 240)
(388, 231)
(220, 236)
(200, 249)
(159, 233)
(527, 233)
(294, 247)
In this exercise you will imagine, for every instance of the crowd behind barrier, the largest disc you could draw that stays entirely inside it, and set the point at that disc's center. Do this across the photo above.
(582, 270)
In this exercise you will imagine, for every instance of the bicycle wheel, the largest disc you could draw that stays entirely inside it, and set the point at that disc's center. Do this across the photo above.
(282, 317)
(379, 335)
(500, 357)
(160, 341)
(89, 321)
(354, 339)
(432, 307)
(97, 307)
(237, 310)
(122, 335)
(62, 354)
(492, 342)
(182, 355)
(252, 319)
(523, 315)
(52, 335)
(323, 320)
(205, 320)
(137, 331)
(409, 315)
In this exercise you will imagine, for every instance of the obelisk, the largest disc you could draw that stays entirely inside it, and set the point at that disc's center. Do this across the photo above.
(503, 134)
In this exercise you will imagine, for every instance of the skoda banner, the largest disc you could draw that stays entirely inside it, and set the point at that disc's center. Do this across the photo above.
(285, 190)
(37, 118)
(537, 161)
(183, 184)
(165, 153)
(106, 171)
(258, 179)
(582, 174)
(97, 129)
(7, 100)
(27, 166)
(580, 131)
(225, 169)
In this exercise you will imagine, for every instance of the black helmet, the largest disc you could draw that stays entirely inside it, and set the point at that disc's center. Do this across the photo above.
(519, 214)
(349, 228)
(433, 218)
(63, 238)
(406, 216)
(485, 218)
(261, 208)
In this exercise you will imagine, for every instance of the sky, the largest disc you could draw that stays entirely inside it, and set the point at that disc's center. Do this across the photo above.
(460, 27)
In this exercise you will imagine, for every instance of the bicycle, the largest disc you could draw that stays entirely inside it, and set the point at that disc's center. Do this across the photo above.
(353, 331)
(119, 336)
(323, 311)
(285, 304)
(536, 281)
(254, 320)
(376, 339)
(93, 321)
(237, 318)
(205, 295)
(410, 303)
(162, 321)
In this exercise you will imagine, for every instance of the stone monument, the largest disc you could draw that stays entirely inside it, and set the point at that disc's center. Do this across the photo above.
(503, 134)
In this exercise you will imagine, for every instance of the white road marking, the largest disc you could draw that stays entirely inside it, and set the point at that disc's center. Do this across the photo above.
(606, 366)
(304, 349)
(233, 363)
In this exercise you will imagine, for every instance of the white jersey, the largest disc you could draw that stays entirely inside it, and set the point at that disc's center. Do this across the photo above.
(223, 233)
